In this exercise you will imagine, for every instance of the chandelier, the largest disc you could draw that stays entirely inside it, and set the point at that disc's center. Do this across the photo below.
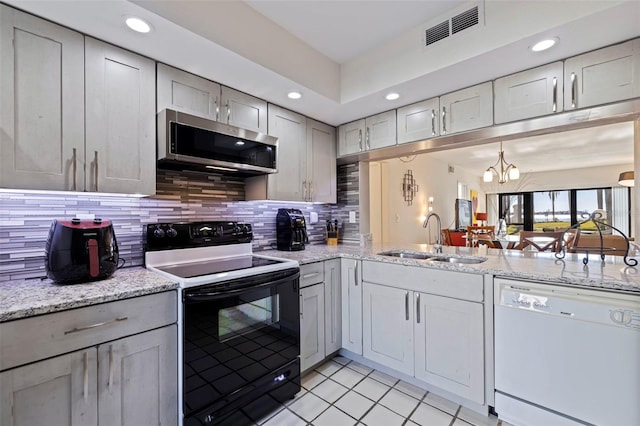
(507, 172)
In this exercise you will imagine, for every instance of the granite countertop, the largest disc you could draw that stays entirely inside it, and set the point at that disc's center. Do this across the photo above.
(20, 299)
(613, 275)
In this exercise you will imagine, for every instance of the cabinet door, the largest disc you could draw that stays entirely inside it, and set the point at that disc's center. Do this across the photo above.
(321, 162)
(449, 347)
(138, 379)
(311, 325)
(42, 104)
(351, 278)
(188, 93)
(290, 183)
(120, 114)
(351, 138)
(332, 306)
(380, 130)
(419, 121)
(57, 391)
(387, 326)
(244, 111)
(606, 75)
(467, 109)
(528, 94)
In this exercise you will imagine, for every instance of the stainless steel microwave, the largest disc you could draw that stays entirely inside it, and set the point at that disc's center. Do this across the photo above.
(189, 142)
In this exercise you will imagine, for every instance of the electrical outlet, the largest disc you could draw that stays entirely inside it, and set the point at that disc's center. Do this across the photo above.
(352, 217)
(313, 217)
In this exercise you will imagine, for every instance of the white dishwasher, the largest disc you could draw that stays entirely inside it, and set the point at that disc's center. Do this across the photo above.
(565, 355)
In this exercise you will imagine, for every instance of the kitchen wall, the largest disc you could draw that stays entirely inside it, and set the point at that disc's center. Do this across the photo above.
(25, 217)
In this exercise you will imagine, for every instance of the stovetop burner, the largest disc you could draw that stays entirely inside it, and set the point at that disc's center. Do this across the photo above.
(216, 266)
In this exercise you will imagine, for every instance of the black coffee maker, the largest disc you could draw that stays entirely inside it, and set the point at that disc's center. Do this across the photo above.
(291, 230)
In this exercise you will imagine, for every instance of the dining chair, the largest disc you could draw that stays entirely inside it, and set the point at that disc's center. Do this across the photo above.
(446, 237)
(475, 233)
(541, 241)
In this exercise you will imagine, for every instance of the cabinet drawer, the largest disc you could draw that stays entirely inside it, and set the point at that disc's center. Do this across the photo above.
(311, 273)
(31, 339)
(459, 285)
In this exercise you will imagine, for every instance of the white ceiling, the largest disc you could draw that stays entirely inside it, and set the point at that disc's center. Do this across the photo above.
(343, 30)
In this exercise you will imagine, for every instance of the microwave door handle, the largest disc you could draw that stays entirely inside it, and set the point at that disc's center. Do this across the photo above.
(217, 294)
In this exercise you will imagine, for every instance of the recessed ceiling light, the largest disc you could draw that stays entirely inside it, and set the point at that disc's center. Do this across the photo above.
(294, 95)
(137, 24)
(544, 44)
(392, 96)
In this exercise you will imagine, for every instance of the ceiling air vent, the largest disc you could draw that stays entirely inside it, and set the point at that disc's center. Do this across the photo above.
(437, 33)
(455, 24)
(464, 20)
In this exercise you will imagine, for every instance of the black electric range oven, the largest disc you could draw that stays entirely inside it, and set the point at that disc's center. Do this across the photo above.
(239, 331)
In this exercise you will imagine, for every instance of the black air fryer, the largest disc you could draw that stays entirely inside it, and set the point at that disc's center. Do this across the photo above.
(81, 250)
(291, 230)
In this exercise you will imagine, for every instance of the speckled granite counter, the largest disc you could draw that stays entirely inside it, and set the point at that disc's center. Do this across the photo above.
(542, 267)
(34, 297)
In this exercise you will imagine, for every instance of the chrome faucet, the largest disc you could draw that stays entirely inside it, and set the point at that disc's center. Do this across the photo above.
(438, 245)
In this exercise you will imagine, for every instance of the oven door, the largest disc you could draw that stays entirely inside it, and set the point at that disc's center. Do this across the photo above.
(241, 341)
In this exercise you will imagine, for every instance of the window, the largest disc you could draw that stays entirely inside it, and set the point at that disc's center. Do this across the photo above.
(550, 210)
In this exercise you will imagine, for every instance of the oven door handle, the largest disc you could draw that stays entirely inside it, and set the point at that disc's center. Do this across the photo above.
(214, 295)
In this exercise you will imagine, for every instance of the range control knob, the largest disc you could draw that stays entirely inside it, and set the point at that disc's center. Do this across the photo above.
(171, 233)
(246, 229)
(158, 233)
(236, 229)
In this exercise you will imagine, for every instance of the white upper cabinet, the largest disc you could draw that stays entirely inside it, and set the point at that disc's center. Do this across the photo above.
(606, 75)
(419, 121)
(467, 109)
(351, 137)
(120, 120)
(532, 93)
(322, 181)
(242, 110)
(380, 130)
(42, 104)
(182, 91)
(306, 161)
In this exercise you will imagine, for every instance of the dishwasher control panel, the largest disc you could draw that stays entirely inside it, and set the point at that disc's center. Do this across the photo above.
(577, 304)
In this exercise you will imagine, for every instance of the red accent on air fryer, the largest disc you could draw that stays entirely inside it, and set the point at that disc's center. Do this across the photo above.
(94, 261)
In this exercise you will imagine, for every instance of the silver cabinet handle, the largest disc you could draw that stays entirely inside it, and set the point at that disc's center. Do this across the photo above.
(228, 113)
(360, 139)
(310, 275)
(215, 102)
(367, 140)
(355, 272)
(75, 171)
(444, 120)
(574, 83)
(555, 94)
(433, 123)
(95, 156)
(406, 305)
(301, 306)
(110, 367)
(418, 308)
(85, 387)
(100, 324)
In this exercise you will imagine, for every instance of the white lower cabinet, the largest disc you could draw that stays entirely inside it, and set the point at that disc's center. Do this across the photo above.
(311, 325)
(351, 276)
(332, 306)
(416, 321)
(387, 335)
(449, 345)
(92, 365)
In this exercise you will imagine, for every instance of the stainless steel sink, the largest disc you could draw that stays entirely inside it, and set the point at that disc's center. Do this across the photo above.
(458, 259)
(409, 254)
(435, 257)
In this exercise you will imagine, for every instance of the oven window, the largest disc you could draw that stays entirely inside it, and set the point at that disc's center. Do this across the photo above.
(247, 317)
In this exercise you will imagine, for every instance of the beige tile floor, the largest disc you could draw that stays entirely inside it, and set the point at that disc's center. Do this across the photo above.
(342, 392)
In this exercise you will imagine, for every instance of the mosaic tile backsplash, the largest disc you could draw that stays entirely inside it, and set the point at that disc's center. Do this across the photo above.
(25, 218)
